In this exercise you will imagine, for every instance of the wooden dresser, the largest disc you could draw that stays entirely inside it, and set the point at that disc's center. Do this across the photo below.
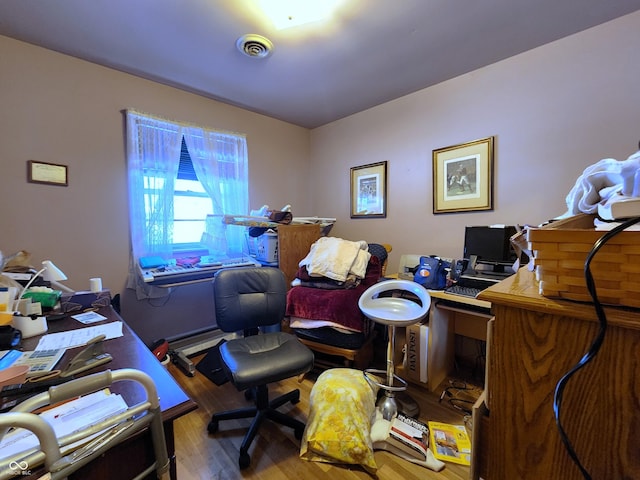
(533, 342)
(294, 242)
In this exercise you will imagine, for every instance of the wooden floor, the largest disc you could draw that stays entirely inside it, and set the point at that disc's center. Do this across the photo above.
(275, 451)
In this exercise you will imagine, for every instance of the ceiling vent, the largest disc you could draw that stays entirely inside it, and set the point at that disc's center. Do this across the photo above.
(255, 46)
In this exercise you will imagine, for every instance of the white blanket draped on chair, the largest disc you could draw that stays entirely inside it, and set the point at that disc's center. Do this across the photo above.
(336, 258)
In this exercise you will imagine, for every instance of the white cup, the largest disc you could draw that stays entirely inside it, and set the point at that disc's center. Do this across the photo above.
(95, 284)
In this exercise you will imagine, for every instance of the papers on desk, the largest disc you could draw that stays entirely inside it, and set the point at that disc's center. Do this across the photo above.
(79, 337)
(65, 419)
(88, 317)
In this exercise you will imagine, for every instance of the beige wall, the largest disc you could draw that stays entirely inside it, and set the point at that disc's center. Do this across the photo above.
(59, 109)
(553, 110)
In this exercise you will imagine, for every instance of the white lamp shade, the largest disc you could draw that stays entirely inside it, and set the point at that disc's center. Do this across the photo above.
(51, 272)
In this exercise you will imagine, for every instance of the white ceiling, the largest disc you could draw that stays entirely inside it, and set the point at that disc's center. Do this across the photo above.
(372, 51)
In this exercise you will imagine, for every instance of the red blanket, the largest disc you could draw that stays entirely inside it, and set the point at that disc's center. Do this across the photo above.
(335, 305)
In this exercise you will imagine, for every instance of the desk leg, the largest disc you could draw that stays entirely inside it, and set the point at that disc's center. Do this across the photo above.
(171, 449)
(441, 349)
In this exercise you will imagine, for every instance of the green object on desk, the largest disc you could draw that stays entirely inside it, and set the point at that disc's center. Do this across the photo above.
(46, 299)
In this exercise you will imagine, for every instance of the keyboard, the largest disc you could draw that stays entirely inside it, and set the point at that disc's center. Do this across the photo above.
(188, 273)
(471, 292)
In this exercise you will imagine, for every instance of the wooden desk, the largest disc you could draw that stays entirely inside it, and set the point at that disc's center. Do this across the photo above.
(128, 351)
(449, 315)
(465, 316)
(534, 341)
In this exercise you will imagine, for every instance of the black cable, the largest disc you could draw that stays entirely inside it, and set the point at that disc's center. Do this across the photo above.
(595, 346)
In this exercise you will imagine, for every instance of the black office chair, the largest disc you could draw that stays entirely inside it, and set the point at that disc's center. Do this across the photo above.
(245, 300)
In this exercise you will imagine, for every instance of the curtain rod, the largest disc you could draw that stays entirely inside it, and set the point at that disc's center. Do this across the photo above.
(181, 124)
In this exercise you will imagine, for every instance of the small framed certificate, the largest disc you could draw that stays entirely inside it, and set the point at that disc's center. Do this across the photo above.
(47, 173)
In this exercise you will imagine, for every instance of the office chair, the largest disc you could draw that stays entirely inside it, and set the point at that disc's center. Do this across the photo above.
(245, 300)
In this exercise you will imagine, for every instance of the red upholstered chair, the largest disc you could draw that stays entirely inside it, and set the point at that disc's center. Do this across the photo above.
(321, 318)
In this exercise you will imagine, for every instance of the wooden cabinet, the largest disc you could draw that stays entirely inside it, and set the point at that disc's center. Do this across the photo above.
(534, 342)
(294, 242)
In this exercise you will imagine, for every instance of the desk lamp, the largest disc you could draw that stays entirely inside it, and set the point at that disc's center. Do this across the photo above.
(51, 274)
(31, 325)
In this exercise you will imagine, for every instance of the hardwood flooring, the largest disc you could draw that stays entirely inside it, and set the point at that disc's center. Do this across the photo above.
(275, 451)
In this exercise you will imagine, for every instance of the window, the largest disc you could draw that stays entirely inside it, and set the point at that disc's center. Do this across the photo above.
(191, 203)
(182, 180)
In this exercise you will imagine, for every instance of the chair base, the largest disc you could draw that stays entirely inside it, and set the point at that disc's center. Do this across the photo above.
(261, 410)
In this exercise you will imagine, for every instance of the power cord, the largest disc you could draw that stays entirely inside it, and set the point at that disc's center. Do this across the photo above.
(595, 346)
(462, 404)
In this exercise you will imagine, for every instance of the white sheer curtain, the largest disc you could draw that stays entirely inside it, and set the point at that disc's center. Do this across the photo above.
(153, 158)
(153, 154)
(220, 162)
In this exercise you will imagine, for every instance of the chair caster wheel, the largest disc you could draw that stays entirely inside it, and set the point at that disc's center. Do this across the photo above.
(244, 460)
(298, 432)
(213, 426)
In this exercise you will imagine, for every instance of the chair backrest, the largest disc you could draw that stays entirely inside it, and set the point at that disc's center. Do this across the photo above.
(381, 250)
(246, 298)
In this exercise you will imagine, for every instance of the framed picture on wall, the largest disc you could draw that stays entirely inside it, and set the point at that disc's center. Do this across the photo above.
(369, 191)
(463, 177)
(47, 173)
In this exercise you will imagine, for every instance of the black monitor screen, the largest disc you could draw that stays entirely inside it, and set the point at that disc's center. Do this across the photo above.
(490, 245)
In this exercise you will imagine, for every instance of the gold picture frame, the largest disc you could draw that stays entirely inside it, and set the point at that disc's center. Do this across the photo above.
(369, 191)
(47, 173)
(463, 177)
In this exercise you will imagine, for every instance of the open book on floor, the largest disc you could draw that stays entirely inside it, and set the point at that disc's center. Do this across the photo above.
(410, 435)
(407, 438)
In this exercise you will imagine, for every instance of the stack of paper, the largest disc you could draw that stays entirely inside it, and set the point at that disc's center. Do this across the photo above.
(65, 419)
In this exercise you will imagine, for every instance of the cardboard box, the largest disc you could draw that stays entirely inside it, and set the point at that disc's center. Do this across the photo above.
(267, 248)
(417, 340)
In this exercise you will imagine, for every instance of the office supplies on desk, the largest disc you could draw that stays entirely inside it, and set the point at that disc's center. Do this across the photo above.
(88, 317)
(93, 355)
(89, 410)
(20, 391)
(9, 337)
(8, 358)
(14, 374)
(38, 361)
(30, 325)
(79, 337)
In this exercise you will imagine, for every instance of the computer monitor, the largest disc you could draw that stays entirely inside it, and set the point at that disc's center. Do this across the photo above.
(487, 245)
